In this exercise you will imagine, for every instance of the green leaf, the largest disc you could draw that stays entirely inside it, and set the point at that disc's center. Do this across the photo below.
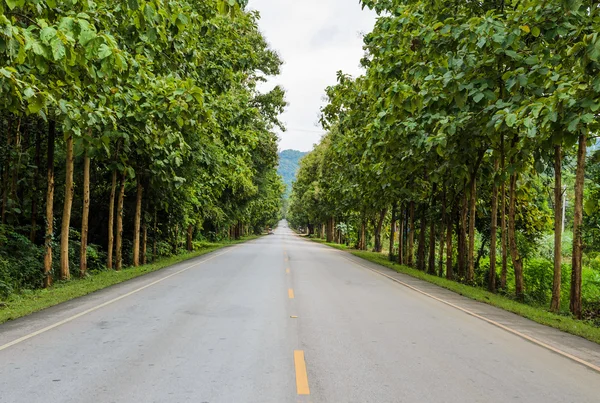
(12, 4)
(590, 206)
(510, 119)
(478, 97)
(535, 31)
(36, 104)
(47, 34)
(539, 166)
(104, 51)
(58, 49)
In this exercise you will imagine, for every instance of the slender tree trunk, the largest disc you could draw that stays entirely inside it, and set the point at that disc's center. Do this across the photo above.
(329, 230)
(49, 206)
(514, 252)
(111, 220)
(85, 215)
(400, 220)
(421, 248)
(144, 241)
(449, 267)
(363, 235)
(36, 184)
(66, 218)
(503, 233)
(493, 233)
(119, 235)
(411, 234)
(15, 169)
(472, 214)
(190, 235)
(575, 303)
(137, 222)
(155, 235)
(378, 245)
(442, 234)
(431, 265)
(392, 232)
(7, 166)
(558, 217)
(462, 237)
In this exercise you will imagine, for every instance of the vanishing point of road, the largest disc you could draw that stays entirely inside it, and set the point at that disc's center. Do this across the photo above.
(278, 319)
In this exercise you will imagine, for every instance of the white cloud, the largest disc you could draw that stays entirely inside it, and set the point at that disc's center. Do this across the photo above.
(315, 38)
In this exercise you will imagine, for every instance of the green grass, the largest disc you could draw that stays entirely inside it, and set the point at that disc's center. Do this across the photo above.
(23, 304)
(537, 314)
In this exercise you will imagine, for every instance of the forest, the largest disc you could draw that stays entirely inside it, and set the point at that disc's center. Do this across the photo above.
(468, 148)
(131, 130)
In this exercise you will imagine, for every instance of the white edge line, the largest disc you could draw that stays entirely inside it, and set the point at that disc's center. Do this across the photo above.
(80, 314)
(492, 322)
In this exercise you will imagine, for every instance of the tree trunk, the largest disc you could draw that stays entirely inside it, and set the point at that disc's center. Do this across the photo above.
(49, 206)
(493, 232)
(329, 230)
(85, 215)
(111, 220)
(66, 218)
(555, 301)
(472, 214)
(462, 237)
(6, 176)
(503, 234)
(137, 222)
(400, 220)
(363, 242)
(442, 234)
(392, 233)
(15, 171)
(514, 252)
(411, 234)
(36, 184)
(155, 236)
(119, 237)
(144, 241)
(431, 264)
(421, 247)
(190, 234)
(575, 303)
(449, 267)
(378, 245)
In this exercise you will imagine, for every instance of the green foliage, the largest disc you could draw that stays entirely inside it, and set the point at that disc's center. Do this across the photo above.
(164, 94)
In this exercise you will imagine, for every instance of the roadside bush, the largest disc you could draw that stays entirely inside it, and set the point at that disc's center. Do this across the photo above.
(21, 262)
(538, 276)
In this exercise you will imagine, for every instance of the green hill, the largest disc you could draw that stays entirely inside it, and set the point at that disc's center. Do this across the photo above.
(288, 165)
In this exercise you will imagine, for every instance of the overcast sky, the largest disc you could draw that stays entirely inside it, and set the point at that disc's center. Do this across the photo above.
(315, 39)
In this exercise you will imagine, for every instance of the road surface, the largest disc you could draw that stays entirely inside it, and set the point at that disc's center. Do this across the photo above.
(279, 319)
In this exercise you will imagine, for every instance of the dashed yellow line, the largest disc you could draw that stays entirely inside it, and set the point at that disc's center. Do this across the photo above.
(291, 293)
(301, 375)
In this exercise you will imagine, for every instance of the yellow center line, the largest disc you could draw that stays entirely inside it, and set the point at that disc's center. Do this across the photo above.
(291, 293)
(301, 376)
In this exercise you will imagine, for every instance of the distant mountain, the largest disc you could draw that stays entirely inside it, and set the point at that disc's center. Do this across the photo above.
(288, 166)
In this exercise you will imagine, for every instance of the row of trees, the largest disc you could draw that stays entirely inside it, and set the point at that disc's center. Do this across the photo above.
(145, 120)
(464, 111)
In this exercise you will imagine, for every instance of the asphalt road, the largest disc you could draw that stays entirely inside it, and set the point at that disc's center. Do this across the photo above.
(279, 319)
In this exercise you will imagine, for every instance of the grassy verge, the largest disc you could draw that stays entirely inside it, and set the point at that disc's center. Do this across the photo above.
(19, 305)
(537, 314)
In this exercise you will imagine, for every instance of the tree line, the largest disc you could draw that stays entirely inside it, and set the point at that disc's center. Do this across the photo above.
(464, 136)
(130, 129)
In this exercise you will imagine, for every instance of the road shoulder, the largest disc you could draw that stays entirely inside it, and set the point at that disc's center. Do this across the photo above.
(571, 346)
